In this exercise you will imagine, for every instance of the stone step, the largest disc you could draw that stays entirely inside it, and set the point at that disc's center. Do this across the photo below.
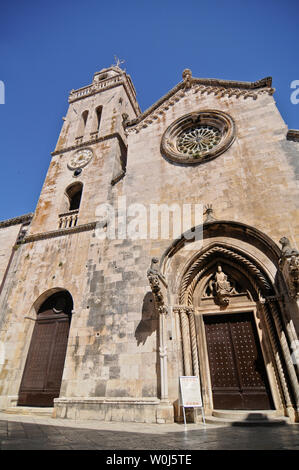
(247, 418)
(246, 414)
(29, 410)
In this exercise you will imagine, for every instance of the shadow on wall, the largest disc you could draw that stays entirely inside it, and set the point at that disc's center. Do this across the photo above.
(149, 320)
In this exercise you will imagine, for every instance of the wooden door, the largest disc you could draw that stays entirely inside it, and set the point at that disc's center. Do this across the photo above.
(238, 375)
(42, 375)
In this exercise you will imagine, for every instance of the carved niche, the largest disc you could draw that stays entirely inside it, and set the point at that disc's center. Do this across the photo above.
(222, 288)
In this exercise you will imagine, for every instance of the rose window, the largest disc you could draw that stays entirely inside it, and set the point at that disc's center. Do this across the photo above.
(197, 140)
(198, 137)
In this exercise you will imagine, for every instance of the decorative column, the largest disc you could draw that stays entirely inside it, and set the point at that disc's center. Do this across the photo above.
(165, 411)
(195, 360)
(163, 352)
(289, 267)
(189, 342)
(286, 351)
(185, 331)
(275, 349)
(158, 284)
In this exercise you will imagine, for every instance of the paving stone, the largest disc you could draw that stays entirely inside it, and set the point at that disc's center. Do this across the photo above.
(82, 435)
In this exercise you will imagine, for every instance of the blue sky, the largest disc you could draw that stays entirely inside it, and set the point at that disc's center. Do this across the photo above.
(48, 48)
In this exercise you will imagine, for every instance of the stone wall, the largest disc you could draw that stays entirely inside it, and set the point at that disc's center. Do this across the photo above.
(8, 237)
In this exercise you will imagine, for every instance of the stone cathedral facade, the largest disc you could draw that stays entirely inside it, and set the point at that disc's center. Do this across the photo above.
(101, 326)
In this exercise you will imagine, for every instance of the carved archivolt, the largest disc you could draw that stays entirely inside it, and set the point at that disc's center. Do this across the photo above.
(195, 272)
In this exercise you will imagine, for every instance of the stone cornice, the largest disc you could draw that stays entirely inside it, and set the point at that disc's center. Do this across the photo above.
(112, 400)
(202, 85)
(293, 134)
(90, 142)
(60, 232)
(17, 220)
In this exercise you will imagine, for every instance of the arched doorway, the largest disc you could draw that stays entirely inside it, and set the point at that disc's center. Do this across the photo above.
(251, 293)
(42, 375)
(226, 312)
(229, 338)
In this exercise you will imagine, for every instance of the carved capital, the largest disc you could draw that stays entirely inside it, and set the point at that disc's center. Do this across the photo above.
(270, 299)
(183, 309)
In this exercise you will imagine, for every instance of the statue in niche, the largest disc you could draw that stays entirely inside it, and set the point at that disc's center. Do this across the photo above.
(221, 287)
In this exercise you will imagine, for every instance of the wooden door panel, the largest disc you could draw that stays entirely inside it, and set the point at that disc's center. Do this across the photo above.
(237, 369)
(249, 361)
(37, 362)
(222, 366)
(56, 363)
(43, 371)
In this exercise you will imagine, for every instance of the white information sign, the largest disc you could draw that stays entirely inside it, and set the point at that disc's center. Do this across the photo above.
(190, 394)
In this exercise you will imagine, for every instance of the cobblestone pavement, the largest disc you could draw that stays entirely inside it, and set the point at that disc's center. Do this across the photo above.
(28, 432)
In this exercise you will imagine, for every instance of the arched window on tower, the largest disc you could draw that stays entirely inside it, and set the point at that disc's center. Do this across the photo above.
(96, 121)
(69, 217)
(74, 193)
(82, 125)
(99, 115)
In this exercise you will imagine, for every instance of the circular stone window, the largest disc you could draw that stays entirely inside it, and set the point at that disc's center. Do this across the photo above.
(198, 137)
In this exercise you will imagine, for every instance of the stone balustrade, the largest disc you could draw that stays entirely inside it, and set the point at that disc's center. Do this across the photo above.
(68, 219)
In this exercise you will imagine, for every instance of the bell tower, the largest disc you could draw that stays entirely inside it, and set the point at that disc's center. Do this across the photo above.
(90, 154)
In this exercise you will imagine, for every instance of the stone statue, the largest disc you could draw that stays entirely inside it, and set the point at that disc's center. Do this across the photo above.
(289, 264)
(125, 118)
(154, 267)
(221, 287)
(286, 249)
(187, 77)
(221, 280)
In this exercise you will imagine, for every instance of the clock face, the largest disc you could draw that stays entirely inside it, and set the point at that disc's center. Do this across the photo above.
(80, 159)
